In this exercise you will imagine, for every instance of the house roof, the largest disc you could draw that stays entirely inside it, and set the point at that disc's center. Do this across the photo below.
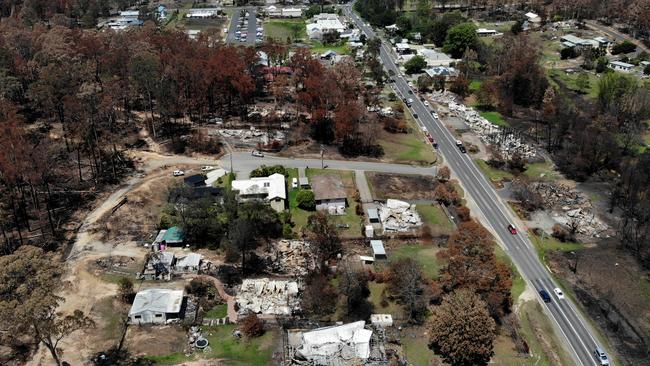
(531, 15)
(157, 300)
(573, 39)
(272, 186)
(373, 214)
(193, 179)
(190, 260)
(622, 64)
(303, 181)
(377, 247)
(174, 235)
(328, 187)
(441, 71)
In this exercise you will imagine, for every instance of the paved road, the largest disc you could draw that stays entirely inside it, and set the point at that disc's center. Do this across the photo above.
(578, 334)
(243, 163)
(616, 35)
(252, 26)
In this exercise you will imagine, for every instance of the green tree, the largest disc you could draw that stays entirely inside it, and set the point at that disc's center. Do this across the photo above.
(459, 38)
(407, 283)
(424, 82)
(29, 279)
(415, 65)
(623, 47)
(601, 64)
(306, 199)
(462, 331)
(517, 28)
(582, 82)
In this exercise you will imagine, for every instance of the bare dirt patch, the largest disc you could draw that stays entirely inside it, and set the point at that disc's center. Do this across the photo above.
(156, 341)
(405, 187)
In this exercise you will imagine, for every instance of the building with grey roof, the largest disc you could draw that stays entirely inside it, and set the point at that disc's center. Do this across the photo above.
(156, 306)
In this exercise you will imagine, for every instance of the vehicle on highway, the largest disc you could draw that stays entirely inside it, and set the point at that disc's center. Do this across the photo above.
(558, 293)
(601, 356)
(426, 103)
(178, 173)
(410, 91)
(544, 295)
(462, 149)
(435, 144)
(410, 84)
(459, 143)
(207, 168)
(405, 100)
(257, 153)
(421, 98)
(424, 128)
(435, 115)
(294, 183)
(415, 115)
(430, 137)
(512, 229)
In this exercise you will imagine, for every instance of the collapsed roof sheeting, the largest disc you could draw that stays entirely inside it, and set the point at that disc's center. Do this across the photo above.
(268, 297)
(330, 345)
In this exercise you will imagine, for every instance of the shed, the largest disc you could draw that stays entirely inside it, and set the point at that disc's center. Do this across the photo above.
(156, 306)
(382, 320)
(621, 66)
(189, 263)
(366, 259)
(174, 236)
(373, 215)
(370, 231)
(196, 180)
(303, 182)
(378, 251)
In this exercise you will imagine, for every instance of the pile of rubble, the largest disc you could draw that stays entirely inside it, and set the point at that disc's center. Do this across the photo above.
(251, 135)
(507, 142)
(268, 297)
(292, 257)
(398, 216)
(570, 208)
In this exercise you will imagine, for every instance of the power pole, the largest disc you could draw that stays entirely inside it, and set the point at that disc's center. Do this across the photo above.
(322, 164)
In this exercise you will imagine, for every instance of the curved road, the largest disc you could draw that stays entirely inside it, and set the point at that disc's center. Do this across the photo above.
(570, 322)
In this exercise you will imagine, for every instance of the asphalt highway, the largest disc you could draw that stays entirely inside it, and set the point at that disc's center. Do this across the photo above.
(578, 334)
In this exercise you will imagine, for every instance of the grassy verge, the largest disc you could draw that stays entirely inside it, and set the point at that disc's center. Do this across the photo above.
(245, 351)
(112, 319)
(340, 48)
(375, 297)
(417, 351)
(547, 242)
(569, 80)
(541, 170)
(518, 283)
(495, 175)
(411, 147)
(541, 337)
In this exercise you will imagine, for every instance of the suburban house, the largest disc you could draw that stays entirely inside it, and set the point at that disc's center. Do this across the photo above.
(373, 215)
(275, 12)
(482, 32)
(329, 193)
(203, 13)
(156, 306)
(126, 19)
(603, 42)
(159, 266)
(196, 180)
(621, 66)
(324, 23)
(571, 41)
(378, 250)
(435, 58)
(268, 189)
(445, 71)
(403, 48)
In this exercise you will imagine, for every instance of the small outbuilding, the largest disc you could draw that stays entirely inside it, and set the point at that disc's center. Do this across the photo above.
(381, 320)
(373, 215)
(378, 251)
(173, 236)
(303, 182)
(621, 66)
(369, 231)
(156, 306)
(366, 259)
(196, 180)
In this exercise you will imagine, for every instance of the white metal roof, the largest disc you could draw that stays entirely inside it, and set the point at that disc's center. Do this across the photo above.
(378, 247)
(272, 186)
(345, 341)
(157, 300)
(190, 260)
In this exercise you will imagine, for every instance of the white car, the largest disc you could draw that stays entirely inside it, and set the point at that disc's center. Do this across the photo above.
(426, 103)
(207, 168)
(559, 293)
(259, 154)
(178, 173)
(294, 183)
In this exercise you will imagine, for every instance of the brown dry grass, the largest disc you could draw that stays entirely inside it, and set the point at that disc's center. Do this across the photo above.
(406, 187)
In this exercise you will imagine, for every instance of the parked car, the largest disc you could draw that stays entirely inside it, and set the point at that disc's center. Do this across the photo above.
(459, 143)
(545, 296)
(410, 91)
(257, 153)
(426, 103)
(462, 149)
(207, 168)
(601, 356)
(558, 293)
(512, 229)
(294, 183)
(435, 144)
(178, 173)
(415, 115)
(430, 137)
(435, 115)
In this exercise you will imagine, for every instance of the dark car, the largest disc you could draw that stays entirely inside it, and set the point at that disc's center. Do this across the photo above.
(410, 91)
(415, 115)
(512, 229)
(545, 295)
(462, 149)
(435, 144)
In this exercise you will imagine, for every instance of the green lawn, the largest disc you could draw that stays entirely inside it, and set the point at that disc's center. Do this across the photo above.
(407, 147)
(434, 216)
(547, 242)
(233, 351)
(426, 255)
(475, 85)
(341, 48)
(283, 29)
(570, 81)
(169, 359)
(495, 175)
(536, 170)
(225, 181)
(495, 118)
(375, 298)
(217, 312)
(417, 351)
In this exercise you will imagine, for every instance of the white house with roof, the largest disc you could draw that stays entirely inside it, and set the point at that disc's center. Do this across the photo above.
(269, 189)
(621, 66)
(533, 18)
(156, 306)
(435, 58)
(324, 23)
(445, 71)
(483, 32)
(203, 13)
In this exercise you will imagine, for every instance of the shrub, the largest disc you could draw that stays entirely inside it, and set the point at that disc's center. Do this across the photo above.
(306, 200)
(253, 326)
(567, 53)
(265, 171)
(623, 47)
(125, 290)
